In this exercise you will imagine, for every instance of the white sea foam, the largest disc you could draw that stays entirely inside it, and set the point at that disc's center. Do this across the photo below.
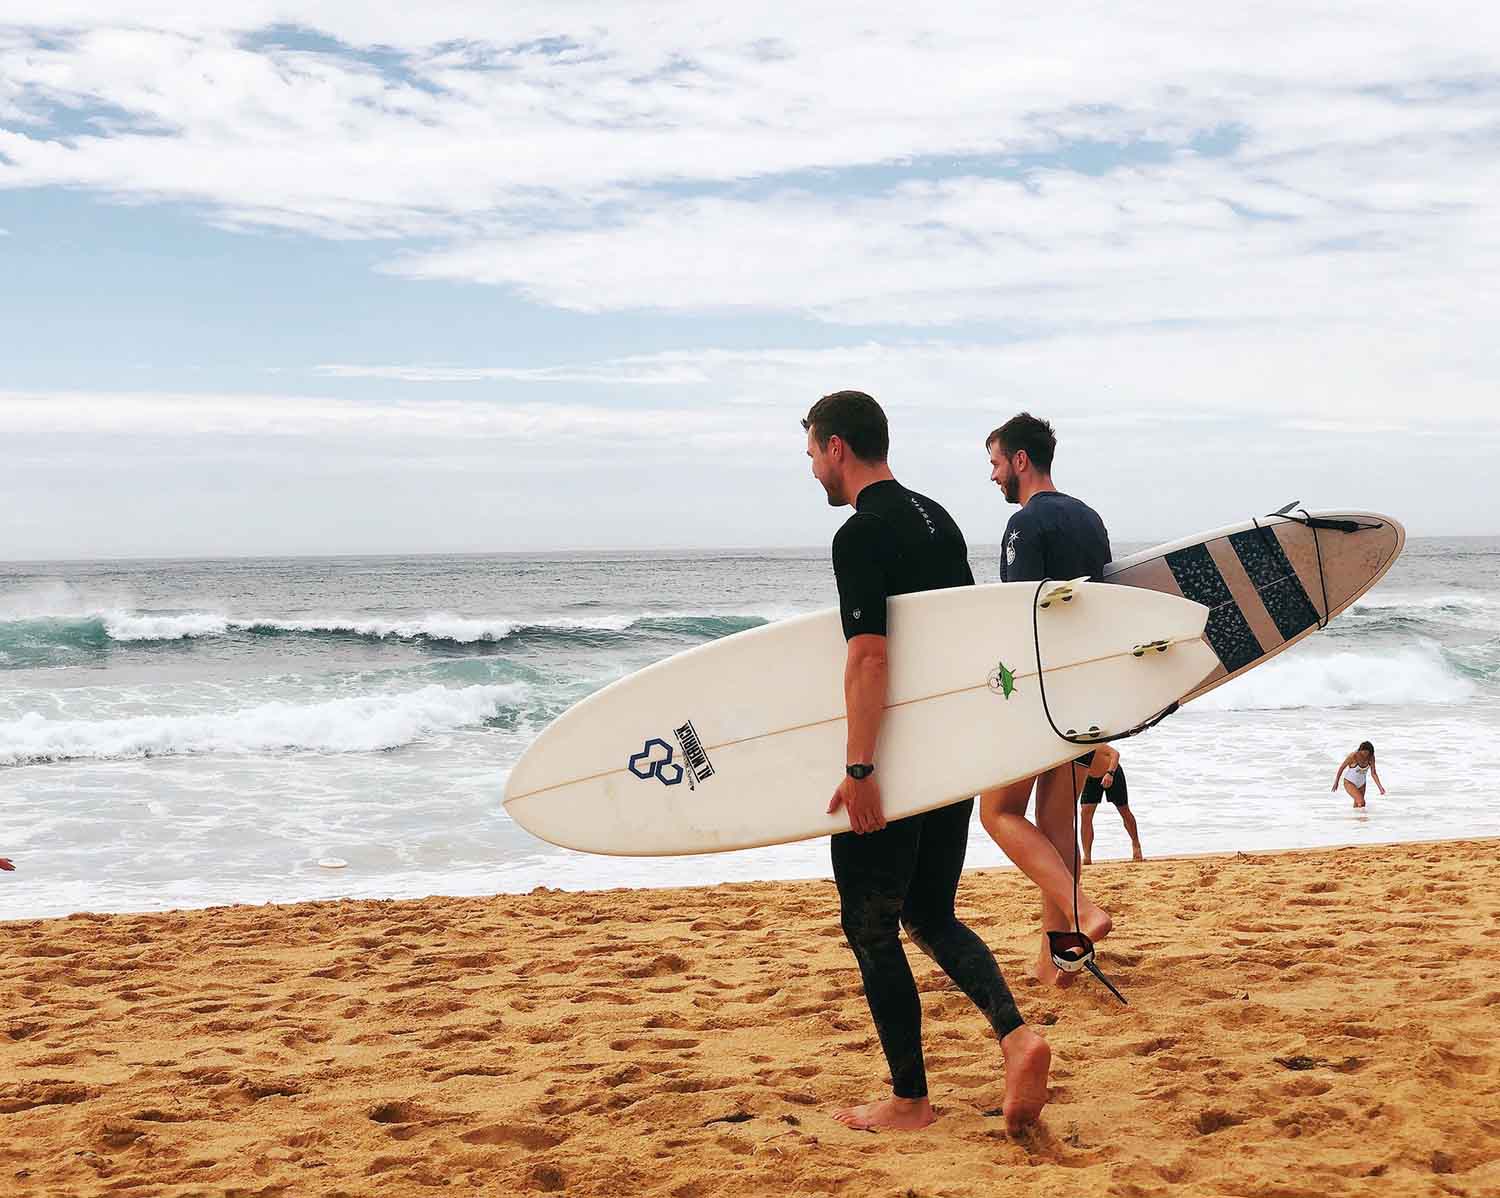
(125, 626)
(1455, 601)
(363, 723)
(435, 626)
(1416, 674)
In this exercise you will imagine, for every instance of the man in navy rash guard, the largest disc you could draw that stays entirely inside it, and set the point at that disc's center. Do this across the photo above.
(903, 873)
(1052, 536)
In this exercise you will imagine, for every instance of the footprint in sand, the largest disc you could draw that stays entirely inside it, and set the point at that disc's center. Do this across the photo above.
(521, 1135)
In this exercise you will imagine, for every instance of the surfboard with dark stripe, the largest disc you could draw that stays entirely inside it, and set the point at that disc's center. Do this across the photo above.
(1269, 582)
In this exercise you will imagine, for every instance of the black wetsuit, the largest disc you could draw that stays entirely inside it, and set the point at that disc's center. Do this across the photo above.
(907, 873)
(1054, 536)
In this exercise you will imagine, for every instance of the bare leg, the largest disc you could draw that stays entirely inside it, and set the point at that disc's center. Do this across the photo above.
(1134, 833)
(1002, 812)
(1358, 792)
(1056, 793)
(1086, 826)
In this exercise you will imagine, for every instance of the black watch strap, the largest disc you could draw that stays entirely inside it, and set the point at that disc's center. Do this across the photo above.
(859, 771)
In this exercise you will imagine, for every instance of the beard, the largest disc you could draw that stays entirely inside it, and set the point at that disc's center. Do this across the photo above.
(1012, 489)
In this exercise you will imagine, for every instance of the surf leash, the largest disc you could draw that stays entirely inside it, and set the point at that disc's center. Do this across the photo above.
(1073, 951)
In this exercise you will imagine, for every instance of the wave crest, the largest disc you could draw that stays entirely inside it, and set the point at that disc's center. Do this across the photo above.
(359, 724)
(94, 630)
(1419, 674)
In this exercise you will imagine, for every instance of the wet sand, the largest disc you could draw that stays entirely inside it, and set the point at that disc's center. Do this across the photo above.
(1313, 1023)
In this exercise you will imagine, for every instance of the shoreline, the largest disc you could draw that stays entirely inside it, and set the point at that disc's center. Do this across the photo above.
(1296, 1025)
(977, 870)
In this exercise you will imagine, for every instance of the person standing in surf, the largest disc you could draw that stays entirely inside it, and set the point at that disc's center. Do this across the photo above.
(1356, 770)
(903, 873)
(1052, 536)
(1106, 780)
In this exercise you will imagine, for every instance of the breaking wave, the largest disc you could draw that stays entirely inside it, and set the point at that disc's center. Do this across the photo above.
(1416, 674)
(359, 724)
(99, 630)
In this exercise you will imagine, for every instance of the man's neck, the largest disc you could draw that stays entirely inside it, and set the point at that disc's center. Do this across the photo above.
(1034, 486)
(861, 478)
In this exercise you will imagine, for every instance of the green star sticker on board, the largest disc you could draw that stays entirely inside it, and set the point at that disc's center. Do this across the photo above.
(1002, 679)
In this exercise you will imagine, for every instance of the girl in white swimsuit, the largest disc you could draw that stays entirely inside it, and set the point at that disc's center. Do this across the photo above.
(1356, 770)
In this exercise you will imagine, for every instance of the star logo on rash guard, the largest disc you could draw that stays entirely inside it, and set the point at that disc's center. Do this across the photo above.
(1010, 548)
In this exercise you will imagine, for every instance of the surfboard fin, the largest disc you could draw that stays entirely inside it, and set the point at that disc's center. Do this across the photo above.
(1160, 646)
(1062, 593)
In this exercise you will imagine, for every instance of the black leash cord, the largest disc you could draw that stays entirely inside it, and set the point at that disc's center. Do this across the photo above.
(1072, 737)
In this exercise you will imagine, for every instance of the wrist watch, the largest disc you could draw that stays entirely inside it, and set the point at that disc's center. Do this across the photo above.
(859, 771)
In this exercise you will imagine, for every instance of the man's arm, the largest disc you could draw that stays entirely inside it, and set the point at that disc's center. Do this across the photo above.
(859, 569)
(866, 673)
(1105, 760)
(1025, 555)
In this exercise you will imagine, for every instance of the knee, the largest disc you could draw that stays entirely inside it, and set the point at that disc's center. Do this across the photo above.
(927, 928)
(867, 925)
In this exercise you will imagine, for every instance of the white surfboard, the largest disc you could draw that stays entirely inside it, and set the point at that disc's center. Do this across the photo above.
(740, 742)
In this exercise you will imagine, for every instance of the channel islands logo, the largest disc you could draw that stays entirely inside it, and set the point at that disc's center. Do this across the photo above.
(1003, 680)
(655, 761)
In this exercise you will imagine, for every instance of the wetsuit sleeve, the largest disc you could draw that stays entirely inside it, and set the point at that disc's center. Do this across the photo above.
(859, 567)
(1023, 558)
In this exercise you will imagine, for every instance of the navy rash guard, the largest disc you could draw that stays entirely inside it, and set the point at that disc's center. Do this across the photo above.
(1054, 536)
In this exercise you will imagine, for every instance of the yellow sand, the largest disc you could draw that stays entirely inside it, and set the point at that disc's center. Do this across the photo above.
(1310, 1023)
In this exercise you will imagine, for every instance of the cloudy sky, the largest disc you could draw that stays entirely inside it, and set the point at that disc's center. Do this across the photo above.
(339, 277)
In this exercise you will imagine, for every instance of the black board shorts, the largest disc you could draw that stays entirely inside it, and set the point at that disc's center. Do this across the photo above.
(1093, 791)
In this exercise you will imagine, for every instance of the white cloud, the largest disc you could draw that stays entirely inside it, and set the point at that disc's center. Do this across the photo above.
(234, 474)
(489, 123)
(649, 372)
(1216, 324)
(353, 422)
(1345, 373)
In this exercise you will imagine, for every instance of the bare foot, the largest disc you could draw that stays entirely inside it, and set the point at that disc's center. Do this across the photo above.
(1027, 1060)
(892, 1114)
(1046, 972)
(1087, 860)
(1093, 920)
(1135, 853)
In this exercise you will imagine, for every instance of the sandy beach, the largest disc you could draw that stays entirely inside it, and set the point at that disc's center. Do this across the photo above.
(1300, 1023)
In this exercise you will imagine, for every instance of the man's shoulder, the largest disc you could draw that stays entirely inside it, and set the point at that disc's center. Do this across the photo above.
(1071, 503)
(1023, 519)
(857, 533)
(858, 524)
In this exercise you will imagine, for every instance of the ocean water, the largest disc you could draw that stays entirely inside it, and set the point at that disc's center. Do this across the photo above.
(190, 733)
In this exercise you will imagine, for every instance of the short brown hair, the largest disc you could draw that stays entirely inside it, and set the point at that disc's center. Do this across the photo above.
(856, 419)
(1025, 431)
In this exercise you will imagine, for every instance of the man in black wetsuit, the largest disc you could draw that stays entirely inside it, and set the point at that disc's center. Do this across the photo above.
(904, 873)
(1052, 536)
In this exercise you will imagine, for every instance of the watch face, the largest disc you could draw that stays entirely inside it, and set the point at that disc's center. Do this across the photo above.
(858, 772)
